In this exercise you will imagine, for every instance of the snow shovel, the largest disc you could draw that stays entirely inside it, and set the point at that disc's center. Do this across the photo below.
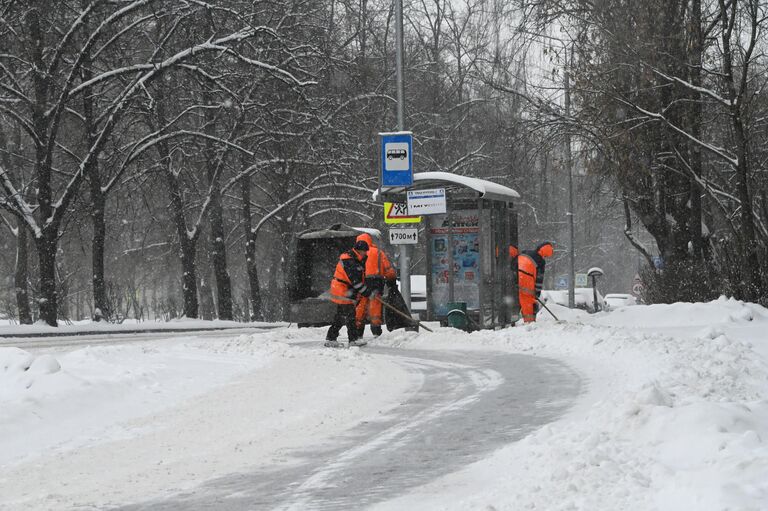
(404, 316)
(543, 305)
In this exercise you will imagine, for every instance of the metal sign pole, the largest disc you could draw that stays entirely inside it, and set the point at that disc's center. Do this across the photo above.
(569, 164)
(405, 261)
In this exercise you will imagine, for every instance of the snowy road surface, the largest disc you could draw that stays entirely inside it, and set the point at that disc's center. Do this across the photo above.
(468, 406)
(63, 340)
(647, 408)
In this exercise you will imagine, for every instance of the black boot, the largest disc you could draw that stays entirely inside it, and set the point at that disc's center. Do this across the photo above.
(376, 330)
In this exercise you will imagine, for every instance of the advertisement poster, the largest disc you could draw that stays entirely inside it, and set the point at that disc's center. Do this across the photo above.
(466, 261)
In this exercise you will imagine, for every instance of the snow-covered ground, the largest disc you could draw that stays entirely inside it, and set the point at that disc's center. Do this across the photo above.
(675, 416)
(77, 327)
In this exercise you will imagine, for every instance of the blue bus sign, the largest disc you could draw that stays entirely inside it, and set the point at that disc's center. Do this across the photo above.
(396, 159)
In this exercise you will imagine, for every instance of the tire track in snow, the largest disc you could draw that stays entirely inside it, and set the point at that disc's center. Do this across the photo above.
(470, 404)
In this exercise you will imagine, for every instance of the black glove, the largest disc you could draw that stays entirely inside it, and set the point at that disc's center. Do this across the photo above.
(392, 284)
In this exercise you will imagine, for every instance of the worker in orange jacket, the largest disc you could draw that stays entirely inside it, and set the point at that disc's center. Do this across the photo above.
(378, 270)
(347, 285)
(530, 277)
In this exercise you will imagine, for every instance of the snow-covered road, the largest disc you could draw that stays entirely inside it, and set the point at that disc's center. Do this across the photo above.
(650, 408)
(467, 406)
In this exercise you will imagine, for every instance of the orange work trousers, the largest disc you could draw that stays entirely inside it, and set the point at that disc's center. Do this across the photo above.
(527, 295)
(528, 307)
(368, 306)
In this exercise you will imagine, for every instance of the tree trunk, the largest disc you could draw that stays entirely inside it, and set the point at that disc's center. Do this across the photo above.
(250, 253)
(98, 201)
(206, 299)
(749, 244)
(47, 241)
(187, 240)
(46, 254)
(97, 255)
(21, 275)
(188, 276)
(21, 271)
(219, 251)
(697, 45)
(187, 245)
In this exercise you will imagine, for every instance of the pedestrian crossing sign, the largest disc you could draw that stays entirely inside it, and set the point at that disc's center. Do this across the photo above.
(397, 213)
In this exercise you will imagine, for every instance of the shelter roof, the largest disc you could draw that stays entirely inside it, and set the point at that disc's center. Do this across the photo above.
(484, 188)
(338, 231)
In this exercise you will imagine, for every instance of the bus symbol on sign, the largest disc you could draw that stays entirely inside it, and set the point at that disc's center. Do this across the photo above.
(397, 157)
(397, 153)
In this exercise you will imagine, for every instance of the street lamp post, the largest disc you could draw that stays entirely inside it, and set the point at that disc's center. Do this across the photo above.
(405, 262)
(569, 164)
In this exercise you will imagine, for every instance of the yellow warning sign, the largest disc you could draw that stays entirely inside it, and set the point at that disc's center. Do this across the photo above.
(397, 213)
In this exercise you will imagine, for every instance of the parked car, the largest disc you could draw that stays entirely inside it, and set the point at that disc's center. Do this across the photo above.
(418, 294)
(616, 300)
(583, 295)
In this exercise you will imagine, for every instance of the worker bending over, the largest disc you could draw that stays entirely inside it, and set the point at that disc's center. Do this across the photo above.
(530, 273)
(347, 285)
(378, 271)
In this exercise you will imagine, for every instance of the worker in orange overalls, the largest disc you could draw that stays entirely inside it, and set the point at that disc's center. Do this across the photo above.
(530, 273)
(378, 270)
(347, 285)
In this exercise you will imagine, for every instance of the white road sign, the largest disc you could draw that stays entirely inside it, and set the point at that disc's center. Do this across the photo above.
(581, 280)
(426, 202)
(403, 236)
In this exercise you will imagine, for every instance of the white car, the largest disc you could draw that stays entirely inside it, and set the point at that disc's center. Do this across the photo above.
(584, 297)
(418, 293)
(616, 300)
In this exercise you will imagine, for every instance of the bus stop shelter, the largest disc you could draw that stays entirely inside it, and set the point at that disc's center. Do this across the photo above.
(467, 256)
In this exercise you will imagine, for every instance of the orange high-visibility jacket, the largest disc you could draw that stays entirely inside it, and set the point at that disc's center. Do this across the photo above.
(349, 278)
(530, 268)
(530, 280)
(377, 265)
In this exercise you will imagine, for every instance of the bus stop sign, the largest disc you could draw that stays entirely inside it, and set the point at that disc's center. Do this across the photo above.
(396, 159)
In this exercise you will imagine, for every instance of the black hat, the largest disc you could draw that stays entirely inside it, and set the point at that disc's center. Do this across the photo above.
(361, 245)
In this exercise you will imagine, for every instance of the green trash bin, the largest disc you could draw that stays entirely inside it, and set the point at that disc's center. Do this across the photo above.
(457, 315)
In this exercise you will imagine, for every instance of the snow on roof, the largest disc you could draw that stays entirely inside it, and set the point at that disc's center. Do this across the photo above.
(373, 232)
(486, 189)
(338, 231)
(482, 186)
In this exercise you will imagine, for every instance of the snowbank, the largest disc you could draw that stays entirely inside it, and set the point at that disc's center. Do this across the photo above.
(119, 424)
(129, 325)
(675, 416)
(669, 423)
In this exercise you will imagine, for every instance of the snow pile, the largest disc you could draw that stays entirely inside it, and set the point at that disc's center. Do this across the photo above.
(675, 415)
(8, 327)
(164, 416)
(669, 422)
(718, 312)
(20, 370)
(79, 397)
